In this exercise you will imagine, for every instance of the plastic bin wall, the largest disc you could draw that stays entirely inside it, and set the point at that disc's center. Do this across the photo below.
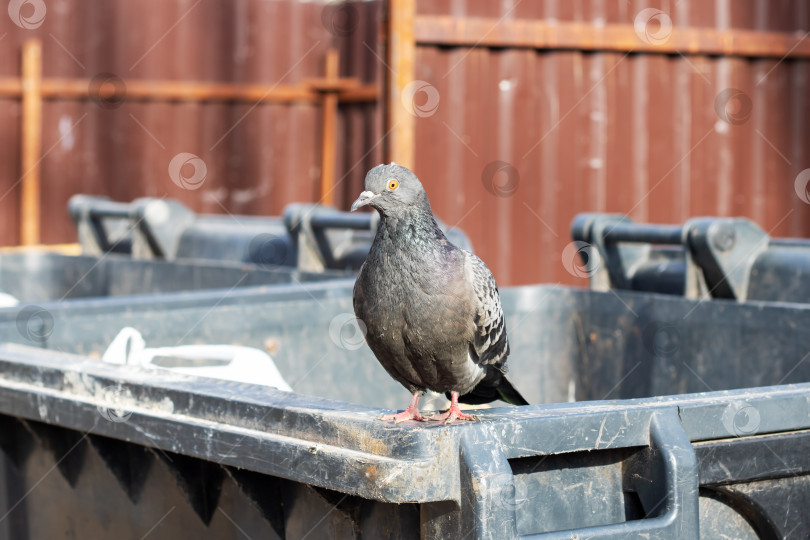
(215, 458)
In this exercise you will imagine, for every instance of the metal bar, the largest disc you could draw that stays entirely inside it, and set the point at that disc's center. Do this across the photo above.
(539, 34)
(11, 87)
(666, 478)
(729, 460)
(644, 233)
(346, 90)
(401, 58)
(31, 142)
(340, 220)
(96, 207)
(100, 208)
(790, 242)
(328, 151)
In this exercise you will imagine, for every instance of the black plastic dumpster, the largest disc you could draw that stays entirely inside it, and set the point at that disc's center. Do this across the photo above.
(691, 420)
(40, 276)
(308, 236)
(707, 257)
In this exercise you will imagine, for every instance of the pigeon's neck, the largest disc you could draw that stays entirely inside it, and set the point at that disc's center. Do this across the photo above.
(415, 227)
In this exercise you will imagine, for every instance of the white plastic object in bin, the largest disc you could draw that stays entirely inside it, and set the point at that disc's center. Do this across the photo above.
(6, 300)
(228, 362)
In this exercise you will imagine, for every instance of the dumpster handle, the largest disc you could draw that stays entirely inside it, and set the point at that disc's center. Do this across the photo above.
(667, 485)
(644, 233)
(155, 225)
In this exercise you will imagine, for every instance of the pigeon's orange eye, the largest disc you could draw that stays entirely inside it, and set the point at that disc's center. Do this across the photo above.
(393, 184)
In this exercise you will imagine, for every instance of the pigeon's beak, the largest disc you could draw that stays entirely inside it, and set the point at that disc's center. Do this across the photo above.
(364, 198)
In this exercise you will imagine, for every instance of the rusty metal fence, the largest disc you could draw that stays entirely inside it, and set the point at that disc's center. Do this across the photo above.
(230, 107)
(516, 115)
(529, 112)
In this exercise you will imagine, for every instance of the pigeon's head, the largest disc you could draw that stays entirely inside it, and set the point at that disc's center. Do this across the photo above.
(392, 189)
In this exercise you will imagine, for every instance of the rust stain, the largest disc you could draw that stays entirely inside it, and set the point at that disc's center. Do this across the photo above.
(372, 473)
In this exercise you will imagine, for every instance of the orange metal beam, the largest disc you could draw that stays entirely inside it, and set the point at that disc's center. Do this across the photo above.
(401, 58)
(31, 142)
(330, 110)
(539, 34)
(347, 90)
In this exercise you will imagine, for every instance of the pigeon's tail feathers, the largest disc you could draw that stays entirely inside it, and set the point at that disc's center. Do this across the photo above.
(509, 394)
(487, 393)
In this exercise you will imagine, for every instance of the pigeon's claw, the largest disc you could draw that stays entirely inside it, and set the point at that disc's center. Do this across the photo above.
(404, 416)
(453, 413)
(411, 413)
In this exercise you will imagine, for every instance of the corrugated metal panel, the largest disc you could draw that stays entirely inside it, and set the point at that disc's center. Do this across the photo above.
(258, 158)
(610, 132)
(584, 131)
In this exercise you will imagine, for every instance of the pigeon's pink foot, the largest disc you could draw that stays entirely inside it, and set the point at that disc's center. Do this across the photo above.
(411, 413)
(404, 416)
(453, 413)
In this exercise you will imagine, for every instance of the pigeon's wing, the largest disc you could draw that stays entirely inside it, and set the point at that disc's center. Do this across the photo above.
(489, 345)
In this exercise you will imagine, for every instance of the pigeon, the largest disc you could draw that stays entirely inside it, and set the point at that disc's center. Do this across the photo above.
(432, 311)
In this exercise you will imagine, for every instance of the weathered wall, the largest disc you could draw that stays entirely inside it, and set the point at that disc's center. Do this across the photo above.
(611, 131)
(662, 137)
(258, 157)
